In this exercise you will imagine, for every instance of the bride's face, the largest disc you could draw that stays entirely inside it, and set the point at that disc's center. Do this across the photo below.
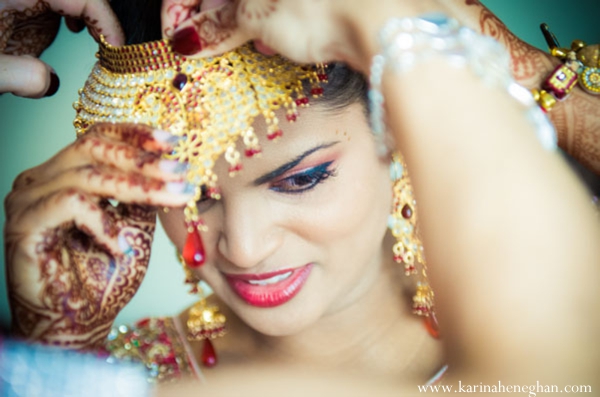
(297, 235)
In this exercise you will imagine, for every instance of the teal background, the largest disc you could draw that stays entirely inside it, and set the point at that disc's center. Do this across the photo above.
(31, 131)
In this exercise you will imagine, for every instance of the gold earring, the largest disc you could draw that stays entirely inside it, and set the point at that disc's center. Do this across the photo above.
(205, 322)
(408, 249)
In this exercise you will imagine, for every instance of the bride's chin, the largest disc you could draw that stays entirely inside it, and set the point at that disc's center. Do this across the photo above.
(280, 324)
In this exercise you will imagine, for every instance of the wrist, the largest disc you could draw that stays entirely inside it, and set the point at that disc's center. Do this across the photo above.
(362, 25)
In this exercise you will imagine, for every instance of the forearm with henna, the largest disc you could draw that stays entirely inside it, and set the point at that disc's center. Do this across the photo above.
(577, 119)
(73, 260)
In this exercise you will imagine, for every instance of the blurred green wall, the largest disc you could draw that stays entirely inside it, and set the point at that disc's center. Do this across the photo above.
(32, 131)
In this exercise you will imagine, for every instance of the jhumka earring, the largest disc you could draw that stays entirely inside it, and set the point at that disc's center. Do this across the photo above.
(211, 103)
(205, 322)
(408, 249)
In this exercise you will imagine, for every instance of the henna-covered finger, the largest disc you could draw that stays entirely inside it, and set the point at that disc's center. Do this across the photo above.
(27, 76)
(209, 33)
(105, 182)
(140, 136)
(27, 27)
(96, 150)
(97, 15)
(129, 147)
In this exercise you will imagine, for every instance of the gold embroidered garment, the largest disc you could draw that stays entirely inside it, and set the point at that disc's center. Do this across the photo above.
(155, 343)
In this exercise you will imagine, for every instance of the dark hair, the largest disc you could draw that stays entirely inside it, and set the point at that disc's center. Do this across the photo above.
(140, 20)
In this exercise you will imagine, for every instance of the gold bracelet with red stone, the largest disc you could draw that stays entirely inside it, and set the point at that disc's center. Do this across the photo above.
(581, 64)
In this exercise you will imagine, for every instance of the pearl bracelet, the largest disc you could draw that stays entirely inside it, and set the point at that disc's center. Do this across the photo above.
(407, 42)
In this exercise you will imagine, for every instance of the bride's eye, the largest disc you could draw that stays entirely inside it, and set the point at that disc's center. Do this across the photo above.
(304, 180)
(205, 201)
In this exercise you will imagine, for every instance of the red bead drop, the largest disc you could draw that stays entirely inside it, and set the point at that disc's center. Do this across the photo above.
(209, 357)
(274, 135)
(251, 152)
(193, 250)
(432, 326)
(235, 168)
(407, 211)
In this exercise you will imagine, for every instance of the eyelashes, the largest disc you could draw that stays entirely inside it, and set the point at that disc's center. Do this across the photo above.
(297, 183)
(304, 180)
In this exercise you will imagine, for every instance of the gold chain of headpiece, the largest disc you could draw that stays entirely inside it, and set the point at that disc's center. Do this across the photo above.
(211, 102)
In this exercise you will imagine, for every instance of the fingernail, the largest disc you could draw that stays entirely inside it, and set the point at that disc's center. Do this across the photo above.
(124, 245)
(187, 41)
(54, 84)
(75, 24)
(166, 137)
(173, 166)
(181, 188)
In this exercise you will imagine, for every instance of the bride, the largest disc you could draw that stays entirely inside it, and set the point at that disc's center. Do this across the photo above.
(294, 245)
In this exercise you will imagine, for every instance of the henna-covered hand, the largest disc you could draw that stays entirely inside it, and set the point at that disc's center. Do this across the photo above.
(73, 259)
(301, 30)
(28, 27)
(577, 119)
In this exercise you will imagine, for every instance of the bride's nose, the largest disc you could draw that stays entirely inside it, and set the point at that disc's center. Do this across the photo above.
(250, 232)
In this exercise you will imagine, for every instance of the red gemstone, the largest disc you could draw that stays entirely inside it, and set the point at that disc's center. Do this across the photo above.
(209, 357)
(251, 152)
(213, 192)
(235, 168)
(291, 117)
(274, 135)
(170, 359)
(193, 250)
(302, 101)
(180, 81)
(406, 211)
(431, 324)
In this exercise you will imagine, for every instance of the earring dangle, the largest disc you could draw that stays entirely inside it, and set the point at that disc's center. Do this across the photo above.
(408, 249)
(205, 322)
(193, 253)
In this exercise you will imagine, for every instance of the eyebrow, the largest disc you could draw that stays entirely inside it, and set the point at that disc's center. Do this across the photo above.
(291, 164)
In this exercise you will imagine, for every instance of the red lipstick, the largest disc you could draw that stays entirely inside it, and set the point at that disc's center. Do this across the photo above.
(269, 289)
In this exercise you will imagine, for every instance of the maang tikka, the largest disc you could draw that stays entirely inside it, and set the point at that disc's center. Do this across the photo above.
(408, 249)
(210, 102)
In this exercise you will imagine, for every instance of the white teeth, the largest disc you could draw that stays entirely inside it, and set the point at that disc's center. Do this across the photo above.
(272, 280)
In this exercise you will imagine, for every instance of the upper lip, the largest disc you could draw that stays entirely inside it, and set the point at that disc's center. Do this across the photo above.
(261, 276)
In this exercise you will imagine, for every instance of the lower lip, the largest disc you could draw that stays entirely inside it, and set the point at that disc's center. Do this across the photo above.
(271, 295)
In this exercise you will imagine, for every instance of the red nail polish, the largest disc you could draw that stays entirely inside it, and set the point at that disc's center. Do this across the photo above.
(75, 24)
(187, 42)
(54, 84)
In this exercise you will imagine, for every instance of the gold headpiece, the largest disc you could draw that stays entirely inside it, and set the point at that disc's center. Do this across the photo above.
(211, 102)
